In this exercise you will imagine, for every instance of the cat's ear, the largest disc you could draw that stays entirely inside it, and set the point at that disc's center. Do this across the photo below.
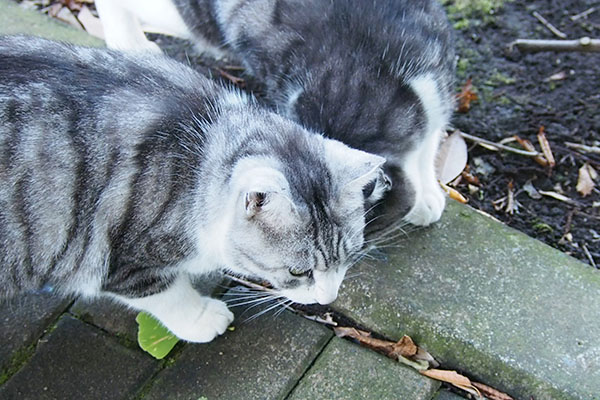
(264, 193)
(269, 206)
(353, 167)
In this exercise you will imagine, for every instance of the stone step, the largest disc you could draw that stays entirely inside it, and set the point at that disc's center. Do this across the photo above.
(346, 371)
(490, 301)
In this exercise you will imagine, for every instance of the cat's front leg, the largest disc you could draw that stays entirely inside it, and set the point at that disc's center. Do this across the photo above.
(184, 311)
(419, 168)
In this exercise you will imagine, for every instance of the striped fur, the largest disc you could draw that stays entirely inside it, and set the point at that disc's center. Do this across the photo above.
(376, 75)
(122, 175)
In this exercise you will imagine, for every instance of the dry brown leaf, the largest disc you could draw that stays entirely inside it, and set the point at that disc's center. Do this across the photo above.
(585, 182)
(545, 145)
(469, 177)
(451, 158)
(90, 23)
(465, 97)
(490, 392)
(405, 347)
(453, 378)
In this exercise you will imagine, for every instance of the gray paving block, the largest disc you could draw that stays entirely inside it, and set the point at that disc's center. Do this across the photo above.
(22, 321)
(488, 300)
(77, 361)
(260, 359)
(347, 371)
(444, 394)
(108, 315)
(16, 20)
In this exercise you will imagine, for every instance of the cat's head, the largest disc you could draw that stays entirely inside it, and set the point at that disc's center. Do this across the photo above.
(299, 217)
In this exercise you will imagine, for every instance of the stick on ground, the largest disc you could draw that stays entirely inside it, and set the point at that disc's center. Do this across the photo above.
(584, 44)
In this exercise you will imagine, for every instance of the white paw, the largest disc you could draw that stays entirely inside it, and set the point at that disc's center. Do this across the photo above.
(203, 325)
(428, 207)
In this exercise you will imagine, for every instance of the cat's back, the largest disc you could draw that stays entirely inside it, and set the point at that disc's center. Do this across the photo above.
(82, 132)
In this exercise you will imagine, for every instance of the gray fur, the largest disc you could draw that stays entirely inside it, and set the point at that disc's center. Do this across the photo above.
(120, 173)
(344, 68)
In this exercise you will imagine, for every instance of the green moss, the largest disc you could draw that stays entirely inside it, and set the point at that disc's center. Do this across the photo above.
(462, 66)
(20, 357)
(464, 13)
(542, 227)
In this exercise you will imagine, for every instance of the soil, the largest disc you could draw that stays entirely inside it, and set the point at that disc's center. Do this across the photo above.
(517, 94)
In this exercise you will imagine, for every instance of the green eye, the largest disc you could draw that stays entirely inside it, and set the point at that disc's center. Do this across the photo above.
(298, 272)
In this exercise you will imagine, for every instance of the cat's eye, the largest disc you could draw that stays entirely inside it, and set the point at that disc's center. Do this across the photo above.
(299, 272)
(380, 185)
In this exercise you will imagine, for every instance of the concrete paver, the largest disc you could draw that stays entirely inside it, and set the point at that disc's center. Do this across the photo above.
(260, 359)
(77, 361)
(22, 321)
(346, 371)
(486, 299)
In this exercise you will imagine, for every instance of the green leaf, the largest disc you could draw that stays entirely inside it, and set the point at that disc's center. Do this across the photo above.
(153, 337)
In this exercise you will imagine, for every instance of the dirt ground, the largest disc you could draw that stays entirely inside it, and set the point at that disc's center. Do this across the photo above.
(516, 97)
(517, 94)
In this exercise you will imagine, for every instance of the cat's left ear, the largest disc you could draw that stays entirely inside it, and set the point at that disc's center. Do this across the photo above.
(354, 168)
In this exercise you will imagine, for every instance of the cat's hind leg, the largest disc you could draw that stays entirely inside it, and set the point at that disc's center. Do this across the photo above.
(184, 311)
(124, 22)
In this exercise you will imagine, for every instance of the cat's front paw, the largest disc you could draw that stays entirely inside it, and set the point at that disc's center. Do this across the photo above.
(428, 207)
(204, 325)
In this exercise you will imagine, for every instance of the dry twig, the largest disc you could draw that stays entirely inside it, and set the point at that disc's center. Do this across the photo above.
(498, 146)
(548, 25)
(583, 147)
(583, 14)
(584, 44)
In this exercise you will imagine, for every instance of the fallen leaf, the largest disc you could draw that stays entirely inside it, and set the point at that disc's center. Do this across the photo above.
(531, 190)
(91, 24)
(557, 196)
(585, 182)
(454, 194)
(545, 145)
(67, 16)
(490, 392)
(469, 177)
(452, 377)
(559, 76)
(451, 158)
(404, 348)
(465, 97)
(153, 337)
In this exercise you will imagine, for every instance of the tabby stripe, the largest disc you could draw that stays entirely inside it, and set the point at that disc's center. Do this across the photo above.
(22, 215)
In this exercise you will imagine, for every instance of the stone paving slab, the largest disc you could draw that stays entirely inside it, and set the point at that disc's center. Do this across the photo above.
(490, 301)
(16, 20)
(347, 371)
(77, 361)
(108, 315)
(443, 394)
(22, 321)
(260, 359)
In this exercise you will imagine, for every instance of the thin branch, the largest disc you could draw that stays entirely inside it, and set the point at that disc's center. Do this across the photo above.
(583, 14)
(498, 146)
(583, 147)
(247, 283)
(548, 25)
(584, 44)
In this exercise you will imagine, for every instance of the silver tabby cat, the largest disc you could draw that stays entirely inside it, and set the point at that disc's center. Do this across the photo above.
(123, 176)
(376, 75)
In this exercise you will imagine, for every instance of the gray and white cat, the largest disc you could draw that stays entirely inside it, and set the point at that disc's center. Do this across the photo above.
(123, 176)
(376, 75)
